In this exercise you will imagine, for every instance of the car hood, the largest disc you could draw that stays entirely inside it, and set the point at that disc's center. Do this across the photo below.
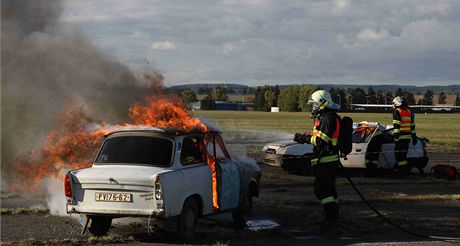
(288, 148)
(118, 174)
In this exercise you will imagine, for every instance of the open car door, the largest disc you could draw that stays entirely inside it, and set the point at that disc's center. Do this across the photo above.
(225, 174)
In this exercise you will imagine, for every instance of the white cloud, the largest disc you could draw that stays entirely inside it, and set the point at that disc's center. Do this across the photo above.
(228, 48)
(425, 33)
(338, 6)
(163, 45)
(371, 35)
(244, 2)
(441, 8)
(136, 34)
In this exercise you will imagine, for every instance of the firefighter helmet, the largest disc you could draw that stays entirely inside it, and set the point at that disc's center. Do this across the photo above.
(398, 101)
(321, 99)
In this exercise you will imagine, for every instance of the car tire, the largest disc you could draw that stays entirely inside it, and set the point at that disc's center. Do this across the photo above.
(242, 214)
(188, 219)
(100, 225)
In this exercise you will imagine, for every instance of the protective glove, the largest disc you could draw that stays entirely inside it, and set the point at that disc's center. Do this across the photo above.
(302, 138)
(298, 138)
(414, 139)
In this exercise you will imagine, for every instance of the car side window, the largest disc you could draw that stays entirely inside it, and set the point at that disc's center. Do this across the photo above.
(192, 150)
(221, 152)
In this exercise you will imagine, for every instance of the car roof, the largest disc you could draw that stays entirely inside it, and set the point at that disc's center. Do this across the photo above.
(170, 132)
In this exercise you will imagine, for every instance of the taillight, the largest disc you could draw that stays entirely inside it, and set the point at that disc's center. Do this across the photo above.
(67, 188)
(158, 190)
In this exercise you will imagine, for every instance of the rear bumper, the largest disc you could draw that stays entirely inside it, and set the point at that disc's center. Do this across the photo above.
(157, 213)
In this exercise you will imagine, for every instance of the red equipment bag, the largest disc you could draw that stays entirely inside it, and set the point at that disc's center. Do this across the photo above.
(444, 171)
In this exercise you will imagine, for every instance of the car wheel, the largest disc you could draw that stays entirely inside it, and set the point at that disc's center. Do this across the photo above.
(188, 219)
(241, 215)
(100, 225)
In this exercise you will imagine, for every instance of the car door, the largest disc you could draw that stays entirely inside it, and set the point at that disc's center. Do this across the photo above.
(193, 178)
(387, 158)
(227, 173)
(356, 158)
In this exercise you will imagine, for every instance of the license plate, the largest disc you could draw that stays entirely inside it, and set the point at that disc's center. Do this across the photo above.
(113, 197)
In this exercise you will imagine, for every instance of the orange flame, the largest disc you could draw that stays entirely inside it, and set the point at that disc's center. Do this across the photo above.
(74, 144)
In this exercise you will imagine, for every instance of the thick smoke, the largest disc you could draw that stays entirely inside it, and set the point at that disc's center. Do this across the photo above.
(46, 64)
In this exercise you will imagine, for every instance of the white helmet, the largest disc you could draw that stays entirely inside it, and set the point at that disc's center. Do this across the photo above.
(322, 99)
(398, 101)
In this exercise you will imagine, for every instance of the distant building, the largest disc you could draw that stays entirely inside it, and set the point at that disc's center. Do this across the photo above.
(195, 105)
(439, 107)
(220, 105)
(225, 105)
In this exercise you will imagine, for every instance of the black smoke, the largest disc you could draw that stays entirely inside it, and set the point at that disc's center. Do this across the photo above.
(45, 64)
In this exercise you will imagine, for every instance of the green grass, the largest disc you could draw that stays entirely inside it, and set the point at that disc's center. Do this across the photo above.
(443, 130)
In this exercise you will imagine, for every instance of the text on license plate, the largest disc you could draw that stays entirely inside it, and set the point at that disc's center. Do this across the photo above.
(114, 197)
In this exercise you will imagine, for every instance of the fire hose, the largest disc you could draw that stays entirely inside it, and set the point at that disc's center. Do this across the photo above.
(388, 221)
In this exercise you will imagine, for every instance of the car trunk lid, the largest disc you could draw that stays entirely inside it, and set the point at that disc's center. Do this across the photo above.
(117, 175)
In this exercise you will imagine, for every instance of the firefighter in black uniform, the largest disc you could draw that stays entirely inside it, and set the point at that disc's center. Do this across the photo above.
(403, 133)
(325, 159)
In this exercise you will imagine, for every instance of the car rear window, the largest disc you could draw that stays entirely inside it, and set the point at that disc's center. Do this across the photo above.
(137, 150)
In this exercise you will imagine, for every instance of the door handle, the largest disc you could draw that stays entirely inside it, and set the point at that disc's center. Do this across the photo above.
(358, 150)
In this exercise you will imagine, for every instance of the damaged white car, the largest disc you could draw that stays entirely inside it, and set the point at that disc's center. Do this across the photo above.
(162, 175)
(295, 158)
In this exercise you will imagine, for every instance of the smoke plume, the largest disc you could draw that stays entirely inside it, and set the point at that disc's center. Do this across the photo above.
(45, 64)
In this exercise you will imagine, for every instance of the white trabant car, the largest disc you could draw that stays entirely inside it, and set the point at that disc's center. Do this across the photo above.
(162, 175)
(295, 158)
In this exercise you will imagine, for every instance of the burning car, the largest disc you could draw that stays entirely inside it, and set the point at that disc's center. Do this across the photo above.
(163, 175)
(295, 158)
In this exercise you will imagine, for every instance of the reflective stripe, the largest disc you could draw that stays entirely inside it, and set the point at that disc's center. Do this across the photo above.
(406, 120)
(335, 135)
(396, 130)
(328, 199)
(334, 142)
(315, 133)
(323, 136)
(402, 163)
(325, 159)
(405, 137)
(397, 122)
(371, 162)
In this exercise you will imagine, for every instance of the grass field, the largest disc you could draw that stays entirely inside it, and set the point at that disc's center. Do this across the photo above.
(443, 130)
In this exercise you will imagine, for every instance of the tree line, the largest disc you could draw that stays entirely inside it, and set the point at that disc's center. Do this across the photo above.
(294, 98)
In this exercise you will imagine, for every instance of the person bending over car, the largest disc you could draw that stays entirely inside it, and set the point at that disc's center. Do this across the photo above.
(325, 160)
(374, 137)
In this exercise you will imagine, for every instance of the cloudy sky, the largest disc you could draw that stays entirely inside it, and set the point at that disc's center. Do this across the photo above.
(266, 42)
